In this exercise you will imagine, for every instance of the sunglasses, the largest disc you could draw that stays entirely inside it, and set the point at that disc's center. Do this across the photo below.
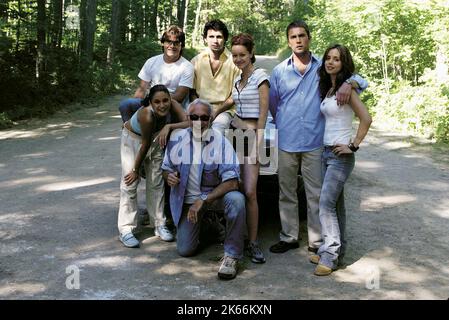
(174, 43)
(195, 117)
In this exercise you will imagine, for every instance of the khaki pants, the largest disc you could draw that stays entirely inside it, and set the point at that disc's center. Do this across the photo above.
(127, 215)
(310, 163)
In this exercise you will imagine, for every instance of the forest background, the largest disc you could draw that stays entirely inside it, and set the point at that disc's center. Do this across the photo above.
(69, 53)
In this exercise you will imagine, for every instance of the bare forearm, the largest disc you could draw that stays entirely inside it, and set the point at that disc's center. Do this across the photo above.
(180, 94)
(225, 106)
(222, 189)
(141, 155)
(141, 90)
(362, 131)
(179, 125)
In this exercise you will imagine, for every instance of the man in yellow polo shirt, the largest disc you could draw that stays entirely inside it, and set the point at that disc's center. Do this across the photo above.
(215, 73)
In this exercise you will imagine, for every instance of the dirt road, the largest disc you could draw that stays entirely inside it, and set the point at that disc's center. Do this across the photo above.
(59, 195)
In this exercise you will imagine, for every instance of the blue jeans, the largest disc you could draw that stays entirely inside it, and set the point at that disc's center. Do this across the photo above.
(128, 107)
(188, 233)
(336, 170)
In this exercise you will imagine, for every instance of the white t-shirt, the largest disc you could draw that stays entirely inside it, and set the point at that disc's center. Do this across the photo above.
(172, 75)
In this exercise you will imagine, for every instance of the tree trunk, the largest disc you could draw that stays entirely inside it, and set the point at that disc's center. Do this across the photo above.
(123, 20)
(181, 8)
(137, 26)
(4, 11)
(88, 13)
(18, 26)
(41, 21)
(168, 13)
(186, 10)
(197, 22)
(153, 29)
(114, 31)
(56, 27)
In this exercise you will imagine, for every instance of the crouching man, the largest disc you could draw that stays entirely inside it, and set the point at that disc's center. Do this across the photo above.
(202, 170)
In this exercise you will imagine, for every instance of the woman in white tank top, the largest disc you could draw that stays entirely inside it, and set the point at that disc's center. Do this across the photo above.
(338, 155)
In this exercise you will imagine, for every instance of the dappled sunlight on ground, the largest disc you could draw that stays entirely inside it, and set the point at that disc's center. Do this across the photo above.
(192, 268)
(74, 184)
(25, 288)
(375, 203)
(34, 155)
(108, 138)
(115, 262)
(27, 181)
(433, 186)
(442, 209)
(369, 165)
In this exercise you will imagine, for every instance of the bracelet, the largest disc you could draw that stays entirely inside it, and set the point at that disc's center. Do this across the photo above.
(353, 147)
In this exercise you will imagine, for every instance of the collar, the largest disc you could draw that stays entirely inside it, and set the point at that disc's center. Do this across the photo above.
(313, 59)
(225, 55)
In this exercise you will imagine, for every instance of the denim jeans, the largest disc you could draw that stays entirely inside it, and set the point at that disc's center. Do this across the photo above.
(188, 233)
(336, 170)
(128, 107)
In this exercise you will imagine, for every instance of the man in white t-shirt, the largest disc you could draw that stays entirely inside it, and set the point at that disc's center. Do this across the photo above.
(169, 69)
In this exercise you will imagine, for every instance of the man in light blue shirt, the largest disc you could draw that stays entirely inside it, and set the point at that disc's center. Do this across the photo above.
(202, 169)
(295, 106)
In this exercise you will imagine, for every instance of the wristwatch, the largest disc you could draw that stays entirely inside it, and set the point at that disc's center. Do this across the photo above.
(203, 197)
(353, 147)
(352, 83)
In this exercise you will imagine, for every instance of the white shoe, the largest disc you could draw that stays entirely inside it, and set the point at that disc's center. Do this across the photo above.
(228, 268)
(163, 233)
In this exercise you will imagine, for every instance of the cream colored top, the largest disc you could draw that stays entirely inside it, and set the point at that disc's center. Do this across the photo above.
(214, 88)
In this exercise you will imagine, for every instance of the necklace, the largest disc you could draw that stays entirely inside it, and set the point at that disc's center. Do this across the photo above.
(244, 80)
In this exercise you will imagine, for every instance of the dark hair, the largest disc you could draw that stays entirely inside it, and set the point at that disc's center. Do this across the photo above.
(157, 88)
(178, 33)
(216, 25)
(246, 40)
(347, 69)
(298, 24)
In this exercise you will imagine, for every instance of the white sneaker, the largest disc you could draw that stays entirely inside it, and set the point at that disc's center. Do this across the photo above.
(163, 233)
(228, 268)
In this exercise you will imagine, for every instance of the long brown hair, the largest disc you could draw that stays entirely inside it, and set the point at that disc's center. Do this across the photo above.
(347, 69)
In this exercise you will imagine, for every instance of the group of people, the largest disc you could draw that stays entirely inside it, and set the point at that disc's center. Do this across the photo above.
(312, 102)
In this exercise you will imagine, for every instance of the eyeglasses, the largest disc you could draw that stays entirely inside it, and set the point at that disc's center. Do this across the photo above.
(195, 117)
(173, 43)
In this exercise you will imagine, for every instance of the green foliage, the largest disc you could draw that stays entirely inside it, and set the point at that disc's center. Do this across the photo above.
(264, 20)
(422, 110)
(5, 122)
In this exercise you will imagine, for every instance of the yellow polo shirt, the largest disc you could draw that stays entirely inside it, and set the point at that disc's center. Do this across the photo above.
(214, 88)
